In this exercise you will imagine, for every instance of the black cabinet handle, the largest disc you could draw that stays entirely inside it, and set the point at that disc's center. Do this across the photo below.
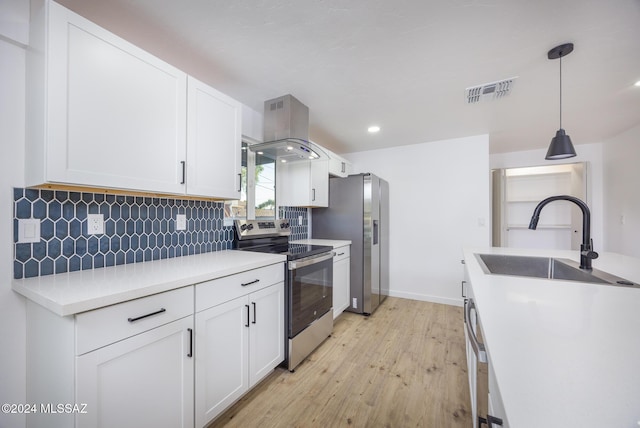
(490, 421)
(190, 354)
(239, 182)
(184, 172)
(147, 315)
(313, 193)
(254, 312)
(247, 324)
(462, 292)
(375, 232)
(250, 282)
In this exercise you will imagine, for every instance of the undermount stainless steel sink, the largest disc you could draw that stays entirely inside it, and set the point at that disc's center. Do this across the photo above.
(547, 268)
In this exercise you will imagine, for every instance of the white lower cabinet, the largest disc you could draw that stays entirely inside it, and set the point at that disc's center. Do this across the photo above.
(146, 380)
(486, 402)
(341, 280)
(172, 359)
(125, 365)
(239, 337)
(221, 352)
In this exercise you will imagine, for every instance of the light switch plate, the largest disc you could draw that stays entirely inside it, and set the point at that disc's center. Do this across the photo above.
(181, 222)
(95, 224)
(28, 230)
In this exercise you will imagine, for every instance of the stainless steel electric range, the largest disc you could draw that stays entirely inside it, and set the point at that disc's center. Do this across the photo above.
(309, 284)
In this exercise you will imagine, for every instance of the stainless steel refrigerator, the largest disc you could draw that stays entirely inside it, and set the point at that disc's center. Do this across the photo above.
(359, 211)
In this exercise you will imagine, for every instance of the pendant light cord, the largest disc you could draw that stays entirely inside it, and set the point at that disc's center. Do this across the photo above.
(560, 90)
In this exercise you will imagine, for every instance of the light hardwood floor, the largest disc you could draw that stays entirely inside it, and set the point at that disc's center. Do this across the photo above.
(404, 366)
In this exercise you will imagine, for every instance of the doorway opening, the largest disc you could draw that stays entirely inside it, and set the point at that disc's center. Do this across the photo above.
(517, 191)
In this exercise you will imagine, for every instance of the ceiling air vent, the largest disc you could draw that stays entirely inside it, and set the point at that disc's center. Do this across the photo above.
(489, 91)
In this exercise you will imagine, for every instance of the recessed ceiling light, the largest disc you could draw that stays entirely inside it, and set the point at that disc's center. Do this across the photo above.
(283, 160)
(637, 83)
(289, 148)
(373, 129)
(260, 153)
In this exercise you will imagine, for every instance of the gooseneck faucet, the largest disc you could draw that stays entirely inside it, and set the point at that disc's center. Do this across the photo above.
(586, 249)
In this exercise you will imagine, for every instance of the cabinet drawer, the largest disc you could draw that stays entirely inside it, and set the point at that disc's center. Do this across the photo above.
(101, 327)
(342, 253)
(217, 291)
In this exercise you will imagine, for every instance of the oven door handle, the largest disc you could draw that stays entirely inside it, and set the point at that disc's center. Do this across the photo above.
(296, 264)
(478, 347)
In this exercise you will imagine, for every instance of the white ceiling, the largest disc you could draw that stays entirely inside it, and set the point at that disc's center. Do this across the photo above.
(404, 64)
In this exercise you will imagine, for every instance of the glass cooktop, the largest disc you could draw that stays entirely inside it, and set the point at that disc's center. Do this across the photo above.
(292, 251)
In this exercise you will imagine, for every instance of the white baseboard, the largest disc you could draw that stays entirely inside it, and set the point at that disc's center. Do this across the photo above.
(459, 301)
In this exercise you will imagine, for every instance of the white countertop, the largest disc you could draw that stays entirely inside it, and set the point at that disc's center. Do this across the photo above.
(335, 243)
(74, 292)
(565, 354)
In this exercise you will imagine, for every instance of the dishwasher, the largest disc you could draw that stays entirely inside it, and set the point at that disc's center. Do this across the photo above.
(478, 365)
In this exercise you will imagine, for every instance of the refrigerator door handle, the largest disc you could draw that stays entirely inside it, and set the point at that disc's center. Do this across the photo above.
(375, 232)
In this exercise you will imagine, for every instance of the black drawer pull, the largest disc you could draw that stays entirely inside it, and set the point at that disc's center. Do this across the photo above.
(341, 254)
(251, 282)
(247, 324)
(147, 315)
(190, 354)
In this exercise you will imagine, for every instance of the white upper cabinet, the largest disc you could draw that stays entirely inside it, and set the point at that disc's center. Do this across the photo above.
(213, 142)
(338, 166)
(102, 111)
(303, 184)
(105, 113)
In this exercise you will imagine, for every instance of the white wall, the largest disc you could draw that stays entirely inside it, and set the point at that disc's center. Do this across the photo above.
(439, 197)
(13, 36)
(590, 153)
(622, 197)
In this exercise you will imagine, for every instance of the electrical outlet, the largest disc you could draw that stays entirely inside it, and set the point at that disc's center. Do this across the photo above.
(95, 224)
(354, 303)
(28, 230)
(181, 222)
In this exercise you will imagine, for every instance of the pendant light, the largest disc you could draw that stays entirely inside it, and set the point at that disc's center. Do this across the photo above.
(561, 146)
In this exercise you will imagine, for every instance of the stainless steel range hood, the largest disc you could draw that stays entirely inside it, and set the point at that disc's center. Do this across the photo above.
(286, 132)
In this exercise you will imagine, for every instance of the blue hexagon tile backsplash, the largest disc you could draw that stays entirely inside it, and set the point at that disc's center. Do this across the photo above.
(136, 229)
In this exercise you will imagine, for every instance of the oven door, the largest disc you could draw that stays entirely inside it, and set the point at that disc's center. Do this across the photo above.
(310, 291)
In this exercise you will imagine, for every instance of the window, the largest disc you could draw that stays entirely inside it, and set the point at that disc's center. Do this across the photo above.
(258, 190)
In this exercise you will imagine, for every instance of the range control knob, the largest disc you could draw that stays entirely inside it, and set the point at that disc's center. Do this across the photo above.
(284, 225)
(250, 226)
(243, 227)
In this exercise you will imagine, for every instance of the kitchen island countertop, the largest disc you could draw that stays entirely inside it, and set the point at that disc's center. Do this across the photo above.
(564, 353)
(80, 291)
